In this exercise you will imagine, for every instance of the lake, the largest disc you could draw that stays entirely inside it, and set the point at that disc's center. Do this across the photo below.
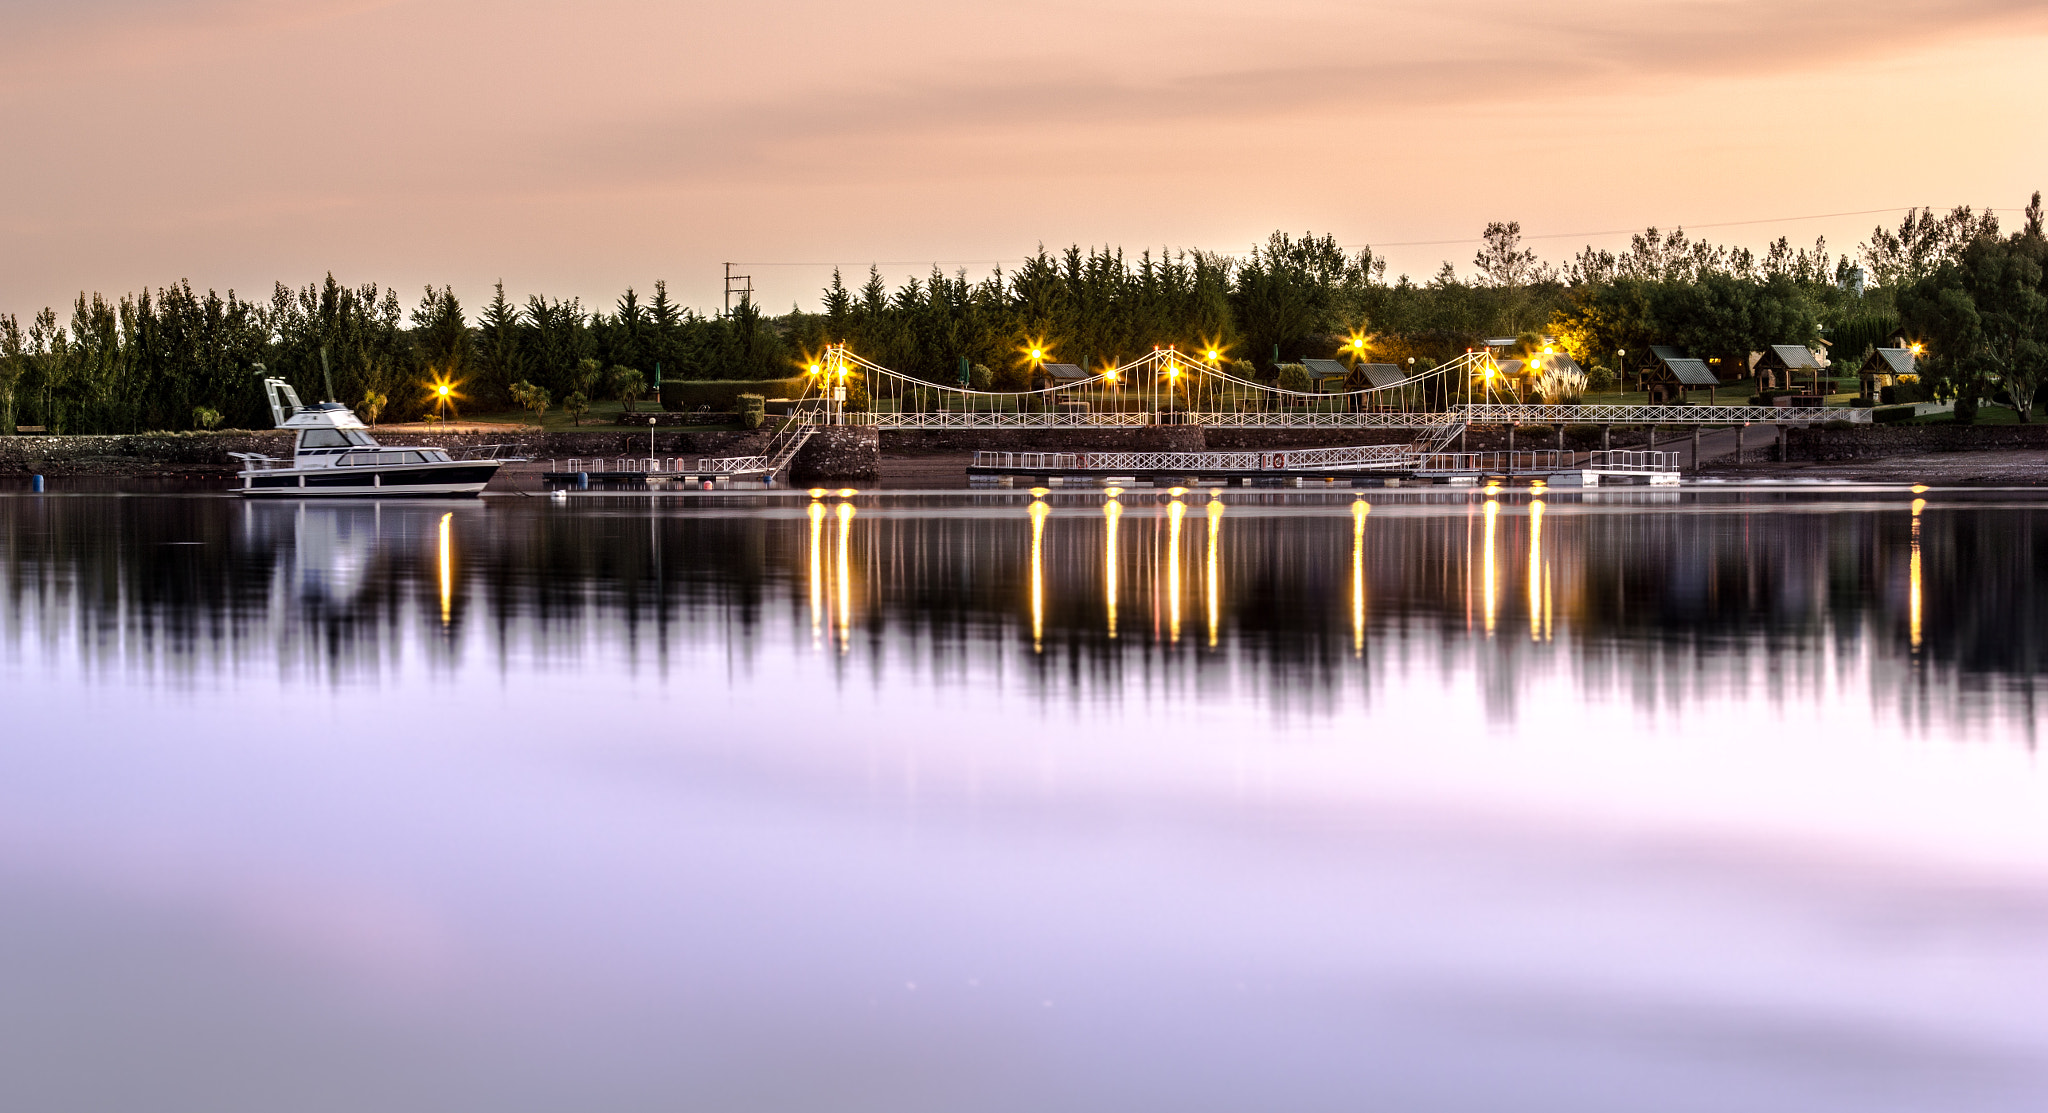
(1714, 799)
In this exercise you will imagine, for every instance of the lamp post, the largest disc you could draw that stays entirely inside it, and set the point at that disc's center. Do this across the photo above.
(1621, 368)
(441, 392)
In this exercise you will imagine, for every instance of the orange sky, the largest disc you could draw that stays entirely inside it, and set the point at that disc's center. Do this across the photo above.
(577, 149)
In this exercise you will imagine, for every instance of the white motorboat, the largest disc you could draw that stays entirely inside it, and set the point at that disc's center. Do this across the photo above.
(335, 455)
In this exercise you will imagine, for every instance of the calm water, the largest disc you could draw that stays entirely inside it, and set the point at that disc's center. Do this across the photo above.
(1618, 801)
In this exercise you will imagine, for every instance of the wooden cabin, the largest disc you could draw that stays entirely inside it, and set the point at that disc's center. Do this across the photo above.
(1790, 367)
(1673, 373)
(1885, 367)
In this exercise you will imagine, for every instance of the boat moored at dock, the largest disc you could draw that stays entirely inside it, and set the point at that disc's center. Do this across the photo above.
(334, 455)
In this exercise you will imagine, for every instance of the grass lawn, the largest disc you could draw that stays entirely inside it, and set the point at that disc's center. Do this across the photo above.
(1986, 415)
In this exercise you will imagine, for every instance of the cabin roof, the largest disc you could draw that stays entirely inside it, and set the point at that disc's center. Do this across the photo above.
(1383, 374)
(1789, 356)
(1066, 371)
(1325, 369)
(1891, 361)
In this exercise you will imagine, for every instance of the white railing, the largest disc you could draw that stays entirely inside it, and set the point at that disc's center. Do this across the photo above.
(1655, 415)
(1373, 419)
(1379, 457)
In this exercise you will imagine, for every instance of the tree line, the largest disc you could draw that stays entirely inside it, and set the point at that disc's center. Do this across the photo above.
(174, 358)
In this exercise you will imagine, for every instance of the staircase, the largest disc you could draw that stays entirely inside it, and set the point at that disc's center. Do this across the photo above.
(1432, 441)
(788, 439)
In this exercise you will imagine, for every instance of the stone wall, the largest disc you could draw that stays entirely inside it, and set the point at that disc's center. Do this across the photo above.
(1835, 443)
(838, 452)
(176, 454)
(149, 453)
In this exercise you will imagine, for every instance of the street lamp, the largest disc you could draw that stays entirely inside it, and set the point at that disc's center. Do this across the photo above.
(1620, 368)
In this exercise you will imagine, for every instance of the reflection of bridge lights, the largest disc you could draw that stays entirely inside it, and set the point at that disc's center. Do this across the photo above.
(842, 572)
(1111, 511)
(1040, 492)
(1913, 577)
(1919, 489)
(1112, 492)
(1359, 510)
(1175, 511)
(1176, 492)
(818, 492)
(447, 565)
(1487, 588)
(817, 513)
(1039, 511)
(847, 492)
(1211, 571)
(1536, 570)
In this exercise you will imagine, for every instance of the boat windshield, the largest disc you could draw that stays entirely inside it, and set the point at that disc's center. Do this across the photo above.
(335, 438)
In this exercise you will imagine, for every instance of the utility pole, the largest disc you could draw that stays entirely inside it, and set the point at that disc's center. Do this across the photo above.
(741, 284)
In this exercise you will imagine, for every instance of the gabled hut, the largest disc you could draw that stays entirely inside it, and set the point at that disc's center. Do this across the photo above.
(1673, 373)
(1885, 367)
(1789, 367)
(1327, 374)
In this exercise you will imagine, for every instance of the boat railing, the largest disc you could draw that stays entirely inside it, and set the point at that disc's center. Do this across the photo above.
(257, 461)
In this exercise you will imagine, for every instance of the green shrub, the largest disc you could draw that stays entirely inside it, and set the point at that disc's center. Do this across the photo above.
(1903, 394)
(752, 408)
(1889, 415)
(686, 395)
(1861, 403)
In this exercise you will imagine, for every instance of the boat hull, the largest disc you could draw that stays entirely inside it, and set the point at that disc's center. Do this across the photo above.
(451, 480)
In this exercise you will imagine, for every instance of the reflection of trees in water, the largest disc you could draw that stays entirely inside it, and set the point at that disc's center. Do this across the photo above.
(1301, 602)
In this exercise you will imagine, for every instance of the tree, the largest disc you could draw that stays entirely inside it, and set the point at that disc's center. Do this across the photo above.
(13, 361)
(1985, 317)
(496, 349)
(373, 404)
(440, 334)
(532, 397)
(629, 384)
(576, 405)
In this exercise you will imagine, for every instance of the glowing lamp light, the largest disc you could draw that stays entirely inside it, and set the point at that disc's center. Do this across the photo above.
(1040, 492)
(442, 390)
(815, 369)
(1037, 354)
(1213, 353)
(817, 492)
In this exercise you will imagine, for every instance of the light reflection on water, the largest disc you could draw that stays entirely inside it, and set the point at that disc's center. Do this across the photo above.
(1002, 801)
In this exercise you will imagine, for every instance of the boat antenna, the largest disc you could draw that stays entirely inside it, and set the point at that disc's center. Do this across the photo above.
(326, 374)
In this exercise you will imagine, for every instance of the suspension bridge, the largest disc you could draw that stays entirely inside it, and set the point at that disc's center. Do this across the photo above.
(1170, 387)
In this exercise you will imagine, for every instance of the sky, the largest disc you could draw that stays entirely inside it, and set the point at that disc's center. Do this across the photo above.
(577, 149)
